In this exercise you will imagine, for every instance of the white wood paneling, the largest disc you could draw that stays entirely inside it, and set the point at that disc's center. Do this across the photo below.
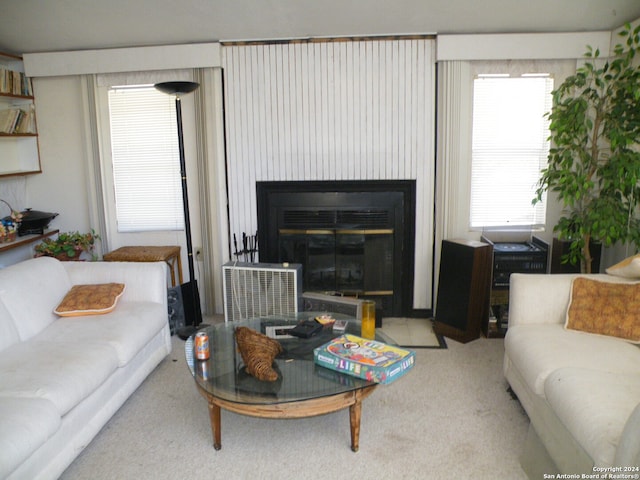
(332, 110)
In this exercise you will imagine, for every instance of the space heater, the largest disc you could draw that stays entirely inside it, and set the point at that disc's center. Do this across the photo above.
(261, 289)
(326, 302)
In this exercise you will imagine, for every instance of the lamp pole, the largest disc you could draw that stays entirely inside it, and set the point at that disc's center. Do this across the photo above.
(191, 304)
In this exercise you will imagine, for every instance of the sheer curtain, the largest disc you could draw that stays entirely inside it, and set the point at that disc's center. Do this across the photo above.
(453, 172)
(210, 231)
(454, 138)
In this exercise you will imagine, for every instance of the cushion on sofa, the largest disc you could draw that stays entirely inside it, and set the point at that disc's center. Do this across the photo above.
(627, 268)
(62, 372)
(605, 308)
(30, 290)
(25, 424)
(96, 299)
(539, 349)
(127, 329)
(594, 407)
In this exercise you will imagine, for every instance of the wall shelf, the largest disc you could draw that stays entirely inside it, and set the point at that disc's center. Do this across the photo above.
(19, 149)
(26, 240)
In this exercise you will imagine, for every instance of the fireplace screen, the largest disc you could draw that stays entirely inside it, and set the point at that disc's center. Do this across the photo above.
(353, 262)
(349, 242)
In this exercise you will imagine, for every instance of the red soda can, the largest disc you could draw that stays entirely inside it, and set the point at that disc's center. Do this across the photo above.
(202, 346)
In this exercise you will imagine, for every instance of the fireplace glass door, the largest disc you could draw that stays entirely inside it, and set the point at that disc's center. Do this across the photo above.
(352, 238)
(352, 262)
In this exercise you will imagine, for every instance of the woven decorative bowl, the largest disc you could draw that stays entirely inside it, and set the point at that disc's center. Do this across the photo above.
(258, 352)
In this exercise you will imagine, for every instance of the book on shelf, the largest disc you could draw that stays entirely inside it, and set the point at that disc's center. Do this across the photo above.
(18, 120)
(13, 82)
(368, 359)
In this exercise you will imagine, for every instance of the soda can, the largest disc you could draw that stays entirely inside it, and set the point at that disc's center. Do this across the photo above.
(202, 346)
(202, 369)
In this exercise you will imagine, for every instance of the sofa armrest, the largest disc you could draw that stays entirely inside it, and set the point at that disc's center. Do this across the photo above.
(144, 281)
(628, 451)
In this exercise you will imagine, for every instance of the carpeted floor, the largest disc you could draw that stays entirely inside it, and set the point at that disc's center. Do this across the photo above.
(451, 417)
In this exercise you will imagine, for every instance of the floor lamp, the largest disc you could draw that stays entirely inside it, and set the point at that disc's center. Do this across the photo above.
(190, 295)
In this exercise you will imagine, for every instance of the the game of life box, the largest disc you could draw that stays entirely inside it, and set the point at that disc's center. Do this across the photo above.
(368, 359)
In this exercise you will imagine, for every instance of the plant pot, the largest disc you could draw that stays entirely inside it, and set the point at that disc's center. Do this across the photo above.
(63, 257)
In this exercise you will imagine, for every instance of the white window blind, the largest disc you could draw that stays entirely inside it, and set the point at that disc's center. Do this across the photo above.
(146, 166)
(510, 146)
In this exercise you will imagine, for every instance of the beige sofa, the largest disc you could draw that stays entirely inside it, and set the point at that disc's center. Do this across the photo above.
(580, 390)
(62, 378)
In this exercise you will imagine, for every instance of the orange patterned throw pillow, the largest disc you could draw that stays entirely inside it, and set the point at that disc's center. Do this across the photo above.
(90, 299)
(605, 308)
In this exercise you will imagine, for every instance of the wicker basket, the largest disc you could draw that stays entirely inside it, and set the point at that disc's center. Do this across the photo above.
(258, 352)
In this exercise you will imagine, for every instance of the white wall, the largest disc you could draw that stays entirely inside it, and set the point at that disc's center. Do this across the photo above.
(62, 186)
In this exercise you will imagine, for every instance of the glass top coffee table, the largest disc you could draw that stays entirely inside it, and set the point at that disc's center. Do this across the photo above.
(303, 389)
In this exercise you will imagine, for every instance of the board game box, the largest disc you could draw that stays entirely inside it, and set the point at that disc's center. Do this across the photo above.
(368, 359)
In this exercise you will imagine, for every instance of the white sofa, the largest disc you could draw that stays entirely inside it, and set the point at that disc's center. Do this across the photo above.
(580, 390)
(61, 379)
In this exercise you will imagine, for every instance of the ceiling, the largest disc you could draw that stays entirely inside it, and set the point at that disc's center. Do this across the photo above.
(28, 26)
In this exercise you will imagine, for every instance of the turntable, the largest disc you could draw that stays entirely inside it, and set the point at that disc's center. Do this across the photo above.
(511, 257)
(512, 247)
(517, 257)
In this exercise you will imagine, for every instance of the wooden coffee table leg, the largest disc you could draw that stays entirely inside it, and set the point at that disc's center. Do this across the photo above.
(214, 418)
(354, 419)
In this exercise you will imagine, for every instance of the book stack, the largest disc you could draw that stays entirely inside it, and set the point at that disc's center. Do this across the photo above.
(368, 359)
(17, 121)
(15, 83)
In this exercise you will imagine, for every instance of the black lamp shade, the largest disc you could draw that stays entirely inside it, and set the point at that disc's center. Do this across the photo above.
(176, 88)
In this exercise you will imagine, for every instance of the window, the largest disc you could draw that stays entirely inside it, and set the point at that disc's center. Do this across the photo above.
(510, 146)
(146, 166)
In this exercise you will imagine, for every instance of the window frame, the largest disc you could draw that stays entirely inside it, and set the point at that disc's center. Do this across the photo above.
(151, 154)
(537, 213)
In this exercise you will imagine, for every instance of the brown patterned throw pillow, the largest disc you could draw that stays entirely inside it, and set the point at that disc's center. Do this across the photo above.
(90, 299)
(605, 308)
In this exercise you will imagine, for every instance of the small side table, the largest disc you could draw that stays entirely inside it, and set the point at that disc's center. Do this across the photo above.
(169, 254)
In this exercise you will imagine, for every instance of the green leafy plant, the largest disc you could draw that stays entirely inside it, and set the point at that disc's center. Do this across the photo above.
(594, 159)
(68, 245)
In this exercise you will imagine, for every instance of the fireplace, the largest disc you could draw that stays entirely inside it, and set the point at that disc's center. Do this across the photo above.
(353, 238)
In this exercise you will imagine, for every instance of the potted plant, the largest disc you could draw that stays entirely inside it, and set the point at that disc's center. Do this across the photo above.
(594, 159)
(68, 245)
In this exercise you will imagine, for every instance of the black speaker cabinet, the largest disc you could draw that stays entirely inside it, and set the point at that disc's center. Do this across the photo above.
(184, 306)
(561, 247)
(176, 308)
(463, 289)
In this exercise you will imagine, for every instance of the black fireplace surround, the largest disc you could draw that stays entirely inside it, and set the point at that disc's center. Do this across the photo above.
(353, 238)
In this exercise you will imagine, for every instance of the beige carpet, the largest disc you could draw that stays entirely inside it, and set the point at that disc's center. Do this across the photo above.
(451, 417)
(411, 332)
